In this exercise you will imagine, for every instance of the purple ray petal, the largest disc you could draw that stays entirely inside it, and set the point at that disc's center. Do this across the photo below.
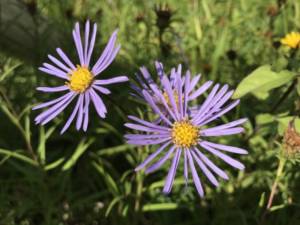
(169, 91)
(98, 103)
(151, 157)
(144, 128)
(114, 80)
(54, 73)
(206, 103)
(224, 132)
(54, 111)
(55, 69)
(226, 148)
(160, 162)
(216, 108)
(145, 136)
(71, 118)
(200, 90)
(225, 158)
(147, 76)
(162, 100)
(172, 172)
(159, 68)
(80, 112)
(172, 76)
(107, 62)
(64, 99)
(227, 125)
(78, 43)
(59, 64)
(205, 170)
(86, 42)
(155, 108)
(52, 102)
(186, 93)
(102, 89)
(222, 112)
(65, 58)
(107, 50)
(86, 110)
(194, 82)
(148, 124)
(211, 165)
(180, 102)
(185, 168)
(148, 142)
(212, 104)
(195, 176)
(92, 45)
(53, 89)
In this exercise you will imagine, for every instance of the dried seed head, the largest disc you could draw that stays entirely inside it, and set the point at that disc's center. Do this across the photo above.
(272, 10)
(291, 140)
(163, 16)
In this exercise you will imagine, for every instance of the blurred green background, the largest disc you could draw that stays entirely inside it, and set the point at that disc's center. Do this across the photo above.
(87, 178)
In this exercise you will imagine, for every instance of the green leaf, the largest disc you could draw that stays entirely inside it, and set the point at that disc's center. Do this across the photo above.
(160, 206)
(81, 148)
(9, 70)
(110, 182)
(114, 150)
(16, 155)
(262, 80)
(112, 204)
(55, 164)
(264, 118)
(42, 143)
(284, 122)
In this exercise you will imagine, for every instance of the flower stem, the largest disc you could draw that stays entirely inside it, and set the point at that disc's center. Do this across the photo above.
(279, 173)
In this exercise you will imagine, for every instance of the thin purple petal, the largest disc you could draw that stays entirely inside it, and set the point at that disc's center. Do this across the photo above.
(172, 172)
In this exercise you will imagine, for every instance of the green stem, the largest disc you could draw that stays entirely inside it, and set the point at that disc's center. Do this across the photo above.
(275, 184)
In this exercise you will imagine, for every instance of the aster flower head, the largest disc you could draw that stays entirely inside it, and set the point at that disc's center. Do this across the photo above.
(182, 134)
(291, 40)
(146, 82)
(80, 81)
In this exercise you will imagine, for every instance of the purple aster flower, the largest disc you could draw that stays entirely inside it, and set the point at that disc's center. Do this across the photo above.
(184, 134)
(79, 81)
(147, 83)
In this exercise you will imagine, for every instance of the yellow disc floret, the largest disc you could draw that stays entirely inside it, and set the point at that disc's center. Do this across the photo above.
(292, 40)
(80, 79)
(185, 134)
(175, 96)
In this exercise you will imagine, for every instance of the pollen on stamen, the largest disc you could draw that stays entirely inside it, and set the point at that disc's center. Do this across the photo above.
(80, 79)
(185, 134)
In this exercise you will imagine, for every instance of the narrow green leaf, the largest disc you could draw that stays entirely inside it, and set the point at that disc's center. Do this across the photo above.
(160, 206)
(110, 182)
(114, 150)
(16, 155)
(81, 148)
(8, 71)
(42, 143)
(112, 204)
(55, 164)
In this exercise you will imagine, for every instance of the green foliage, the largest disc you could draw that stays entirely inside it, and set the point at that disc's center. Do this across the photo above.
(88, 178)
(262, 80)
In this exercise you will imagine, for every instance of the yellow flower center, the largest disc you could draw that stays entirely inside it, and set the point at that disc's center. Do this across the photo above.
(80, 79)
(176, 98)
(292, 40)
(185, 134)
